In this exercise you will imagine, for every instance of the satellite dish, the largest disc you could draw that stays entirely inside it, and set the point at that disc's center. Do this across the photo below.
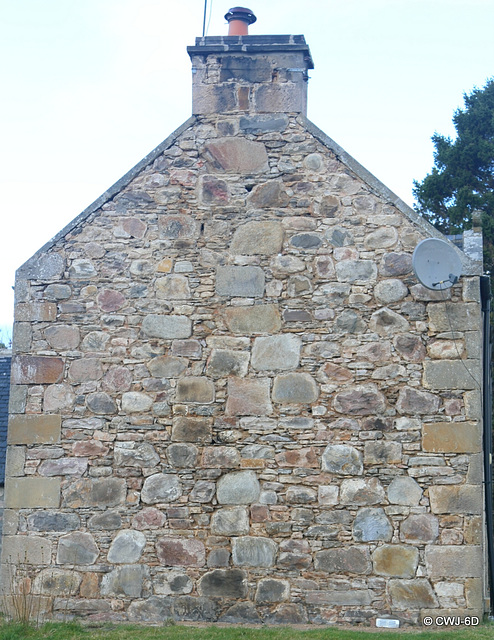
(436, 264)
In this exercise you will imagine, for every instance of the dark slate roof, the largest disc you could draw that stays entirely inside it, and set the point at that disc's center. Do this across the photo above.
(4, 410)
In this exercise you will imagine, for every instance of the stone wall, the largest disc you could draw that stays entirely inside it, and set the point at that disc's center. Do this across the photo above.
(233, 401)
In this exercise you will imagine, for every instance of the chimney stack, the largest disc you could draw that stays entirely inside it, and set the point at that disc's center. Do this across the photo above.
(239, 73)
(239, 20)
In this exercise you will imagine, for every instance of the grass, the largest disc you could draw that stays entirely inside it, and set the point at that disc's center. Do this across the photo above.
(76, 631)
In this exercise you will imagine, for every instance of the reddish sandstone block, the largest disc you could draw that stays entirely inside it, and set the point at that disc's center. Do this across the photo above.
(36, 370)
(36, 312)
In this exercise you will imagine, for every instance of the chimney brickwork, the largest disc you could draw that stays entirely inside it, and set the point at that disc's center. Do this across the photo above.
(254, 74)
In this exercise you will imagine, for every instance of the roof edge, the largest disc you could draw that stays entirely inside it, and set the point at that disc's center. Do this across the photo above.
(471, 267)
(110, 193)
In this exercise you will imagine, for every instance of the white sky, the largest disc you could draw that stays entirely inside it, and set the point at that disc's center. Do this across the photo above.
(89, 87)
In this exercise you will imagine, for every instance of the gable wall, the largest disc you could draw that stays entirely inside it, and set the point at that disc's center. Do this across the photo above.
(232, 400)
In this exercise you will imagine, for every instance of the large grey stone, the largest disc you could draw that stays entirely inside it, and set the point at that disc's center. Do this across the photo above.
(136, 402)
(227, 362)
(230, 521)
(167, 327)
(241, 613)
(410, 595)
(342, 459)
(53, 521)
(276, 352)
(182, 455)
(253, 551)
(46, 266)
(381, 238)
(244, 282)
(127, 547)
(189, 429)
(106, 521)
(167, 366)
(132, 454)
(152, 610)
(448, 316)
(389, 291)
(101, 403)
(419, 528)
(178, 227)
(238, 487)
(343, 560)
(382, 452)
(63, 467)
(77, 548)
(56, 582)
(258, 238)
(223, 583)
(260, 318)
(126, 580)
(161, 487)
(405, 491)
(306, 241)
(295, 388)
(300, 495)
(372, 524)
(361, 491)
(356, 271)
(172, 582)
(172, 287)
(270, 590)
(195, 389)
(100, 493)
(181, 552)
(417, 402)
(386, 322)
(195, 609)
(363, 400)
(248, 397)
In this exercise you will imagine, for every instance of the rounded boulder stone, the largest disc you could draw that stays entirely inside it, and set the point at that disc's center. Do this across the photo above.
(254, 551)
(77, 548)
(295, 388)
(223, 583)
(181, 552)
(239, 487)
(276, 352)
(342, 459)
(161, 487)
(230, 521)
(405, 491)
(127, 547)
(258, 238)
(372, 524)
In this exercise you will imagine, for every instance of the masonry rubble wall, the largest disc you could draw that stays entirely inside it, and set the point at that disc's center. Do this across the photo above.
(233, 401)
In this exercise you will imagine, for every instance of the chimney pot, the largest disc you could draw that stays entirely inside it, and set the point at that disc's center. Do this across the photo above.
(239, 19)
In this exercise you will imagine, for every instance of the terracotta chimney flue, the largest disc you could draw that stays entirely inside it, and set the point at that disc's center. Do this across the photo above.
(239, 19)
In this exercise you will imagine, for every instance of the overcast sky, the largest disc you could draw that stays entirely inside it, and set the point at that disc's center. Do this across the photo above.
(89, 87)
